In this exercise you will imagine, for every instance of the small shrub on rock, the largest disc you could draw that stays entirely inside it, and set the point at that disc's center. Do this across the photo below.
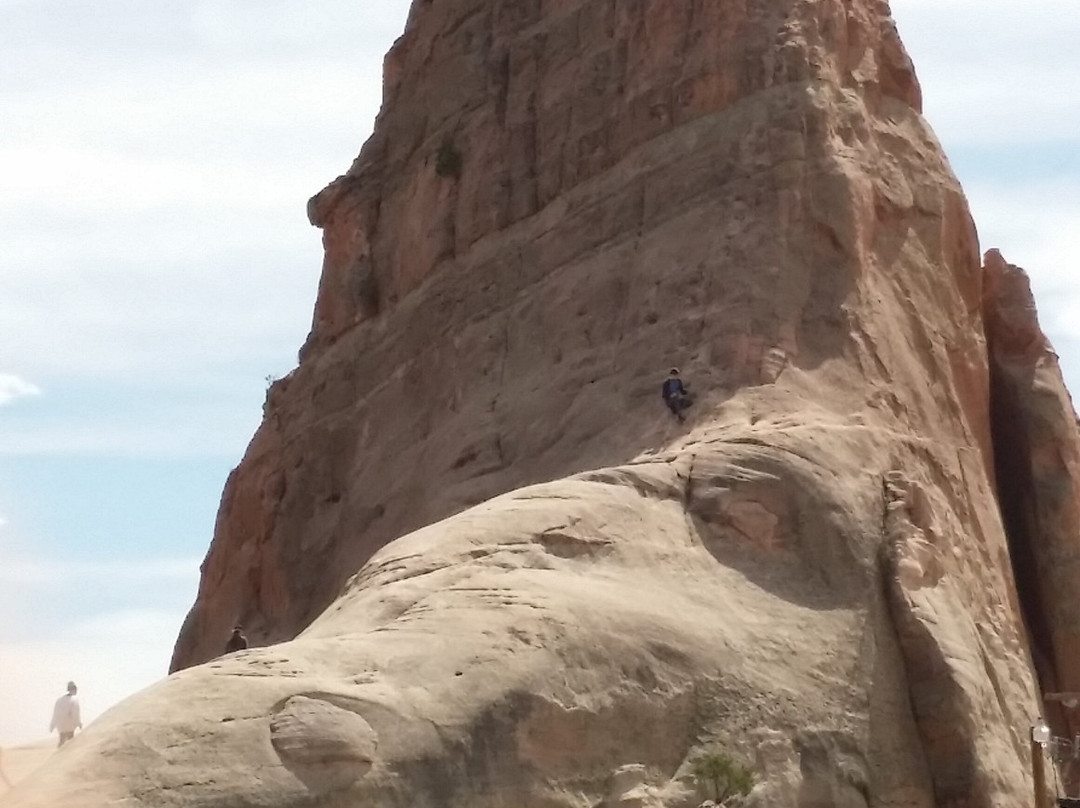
(726, 777)
(448, 160)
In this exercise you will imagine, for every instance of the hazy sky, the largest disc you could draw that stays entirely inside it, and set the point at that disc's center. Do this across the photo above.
(156, 265)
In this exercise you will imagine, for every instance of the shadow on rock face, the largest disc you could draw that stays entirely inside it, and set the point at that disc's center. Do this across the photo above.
(833, 772)
(777, 518)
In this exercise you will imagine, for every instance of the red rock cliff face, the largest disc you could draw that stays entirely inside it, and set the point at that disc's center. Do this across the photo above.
(563, 199)
(641, 184)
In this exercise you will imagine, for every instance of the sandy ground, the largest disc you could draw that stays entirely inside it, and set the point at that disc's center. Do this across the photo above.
(19, 761)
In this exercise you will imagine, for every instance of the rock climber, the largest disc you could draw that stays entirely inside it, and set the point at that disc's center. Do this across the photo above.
(675, 395)
(237, 640)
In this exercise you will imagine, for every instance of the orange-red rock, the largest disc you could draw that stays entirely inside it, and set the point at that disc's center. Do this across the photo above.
(639, 186)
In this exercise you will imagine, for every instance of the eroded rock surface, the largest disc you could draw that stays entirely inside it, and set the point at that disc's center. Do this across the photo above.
(716, 187)
(561, 200)
(583, 640)
(490, 665)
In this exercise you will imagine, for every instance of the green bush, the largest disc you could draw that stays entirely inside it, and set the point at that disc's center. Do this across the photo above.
(448, 160)
(727, 777)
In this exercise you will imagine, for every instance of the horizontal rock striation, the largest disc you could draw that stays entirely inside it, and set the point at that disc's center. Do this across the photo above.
(637, 188)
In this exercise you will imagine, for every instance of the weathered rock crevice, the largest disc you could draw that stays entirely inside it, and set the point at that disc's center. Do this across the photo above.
(1018, 503)
(1036, 457)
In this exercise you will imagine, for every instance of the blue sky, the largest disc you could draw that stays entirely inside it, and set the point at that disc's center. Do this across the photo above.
(156, 265)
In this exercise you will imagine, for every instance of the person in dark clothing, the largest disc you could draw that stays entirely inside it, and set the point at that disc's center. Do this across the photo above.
(675, 396)
(237, 642)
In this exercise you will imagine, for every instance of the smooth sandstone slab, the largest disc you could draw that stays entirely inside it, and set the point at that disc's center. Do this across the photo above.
(533, 648)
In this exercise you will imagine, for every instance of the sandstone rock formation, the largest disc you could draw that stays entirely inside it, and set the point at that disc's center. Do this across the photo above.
(638, 187)
(851, 568)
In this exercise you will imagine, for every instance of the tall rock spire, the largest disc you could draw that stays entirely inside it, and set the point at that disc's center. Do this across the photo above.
(558, 203)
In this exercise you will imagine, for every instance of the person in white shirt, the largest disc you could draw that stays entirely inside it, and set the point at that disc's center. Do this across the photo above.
(65, 717)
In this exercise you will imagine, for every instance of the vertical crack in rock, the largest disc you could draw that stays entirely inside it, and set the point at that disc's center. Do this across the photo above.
(1019, 511)
(941, 650)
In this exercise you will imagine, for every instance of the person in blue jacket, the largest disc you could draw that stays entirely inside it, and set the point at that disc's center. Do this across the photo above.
(675, 396)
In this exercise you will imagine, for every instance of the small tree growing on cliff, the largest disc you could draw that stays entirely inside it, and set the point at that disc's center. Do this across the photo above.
(727, 777)
(448, 160)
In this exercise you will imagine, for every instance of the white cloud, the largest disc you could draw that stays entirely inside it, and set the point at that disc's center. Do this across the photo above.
(160, 330)
(13, 387)
(139, 579)
(192, 431)
(28, 572)
(995, 71)
(155, 162)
